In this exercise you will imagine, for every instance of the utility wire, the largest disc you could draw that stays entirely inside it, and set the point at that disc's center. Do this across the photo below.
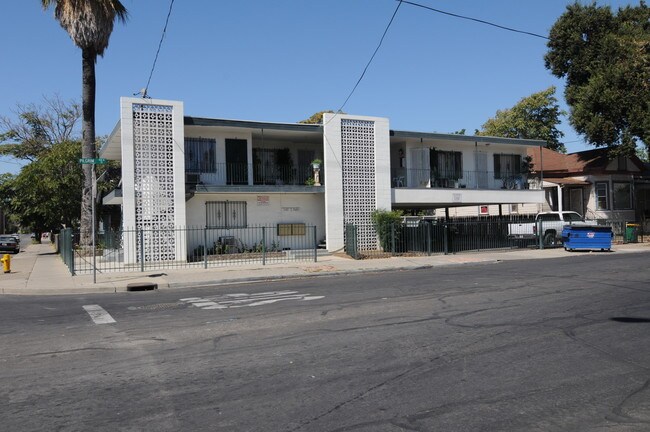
(340, 110)
(146, 89)
(473, 19)
(371, 58)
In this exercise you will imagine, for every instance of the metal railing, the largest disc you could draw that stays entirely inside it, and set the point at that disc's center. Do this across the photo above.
(143, 250)
(256, 174)
(439, 236)
(428, 178)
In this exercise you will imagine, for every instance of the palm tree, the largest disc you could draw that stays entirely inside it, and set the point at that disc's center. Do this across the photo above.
(89, 24)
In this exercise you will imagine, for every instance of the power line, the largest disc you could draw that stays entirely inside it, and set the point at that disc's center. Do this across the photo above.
(474, 19)
(146, 89)
(371, 58)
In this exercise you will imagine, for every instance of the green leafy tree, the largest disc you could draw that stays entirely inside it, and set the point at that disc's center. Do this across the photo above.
(42, 197)
(37, 127)
(89, 24)
(605, 59)
(534, 117)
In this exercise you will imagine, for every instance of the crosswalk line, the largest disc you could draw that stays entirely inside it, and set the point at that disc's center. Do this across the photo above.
(98, 314)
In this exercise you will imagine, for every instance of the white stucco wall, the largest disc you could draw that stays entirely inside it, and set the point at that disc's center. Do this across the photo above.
(129, 185)
(268, 210)
(335, 177)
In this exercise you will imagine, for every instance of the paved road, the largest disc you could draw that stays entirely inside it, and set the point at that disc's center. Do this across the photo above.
(548, 345)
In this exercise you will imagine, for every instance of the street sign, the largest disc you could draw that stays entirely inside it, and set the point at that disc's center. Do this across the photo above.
(93, 161)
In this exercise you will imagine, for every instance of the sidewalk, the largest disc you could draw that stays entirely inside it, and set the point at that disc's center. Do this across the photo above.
(38, 270)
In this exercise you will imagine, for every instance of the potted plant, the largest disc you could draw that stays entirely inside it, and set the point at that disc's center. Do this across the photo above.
(316, 163)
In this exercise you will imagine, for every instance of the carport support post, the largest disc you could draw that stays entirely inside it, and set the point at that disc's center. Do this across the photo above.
(540, 235)
(446, 237)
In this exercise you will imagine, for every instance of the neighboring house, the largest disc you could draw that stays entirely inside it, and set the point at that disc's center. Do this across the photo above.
(181, 171)
(592, 184)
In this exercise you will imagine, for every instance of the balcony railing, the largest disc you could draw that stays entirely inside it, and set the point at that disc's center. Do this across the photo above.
(254, 174)
(489, 180)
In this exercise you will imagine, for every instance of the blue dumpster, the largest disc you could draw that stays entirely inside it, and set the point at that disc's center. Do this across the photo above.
(587, 237)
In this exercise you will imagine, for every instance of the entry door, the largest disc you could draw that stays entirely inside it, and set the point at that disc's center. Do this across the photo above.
(236, 161)
(419, 171)
(575, 200)
(305, 170)
(481, 170)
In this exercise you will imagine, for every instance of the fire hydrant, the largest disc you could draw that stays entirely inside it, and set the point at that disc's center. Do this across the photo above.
(6, 263)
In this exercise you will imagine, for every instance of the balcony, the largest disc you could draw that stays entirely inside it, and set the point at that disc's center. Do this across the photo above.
(252, 176)
(485, 180)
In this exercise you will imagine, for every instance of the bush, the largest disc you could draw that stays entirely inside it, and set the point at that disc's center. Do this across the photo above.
(384, 222)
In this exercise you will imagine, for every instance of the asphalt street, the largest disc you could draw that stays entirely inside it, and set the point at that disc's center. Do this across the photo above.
(545, 345)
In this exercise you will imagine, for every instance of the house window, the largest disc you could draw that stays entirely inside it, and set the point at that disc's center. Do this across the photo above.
(622, 195)
(506, 165)
(602, 201)
(288, 229)
(225, 214)
(446, 164)
(200, 155)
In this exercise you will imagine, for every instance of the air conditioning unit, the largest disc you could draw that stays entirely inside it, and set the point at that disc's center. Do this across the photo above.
(192, 179)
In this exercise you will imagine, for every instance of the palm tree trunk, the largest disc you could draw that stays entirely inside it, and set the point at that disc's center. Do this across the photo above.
(88, 143)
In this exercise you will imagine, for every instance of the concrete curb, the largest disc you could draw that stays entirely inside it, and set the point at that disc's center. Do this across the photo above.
(45, 274)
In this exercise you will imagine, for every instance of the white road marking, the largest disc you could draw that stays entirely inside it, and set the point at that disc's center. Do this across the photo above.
(98, 314)
(238, 300)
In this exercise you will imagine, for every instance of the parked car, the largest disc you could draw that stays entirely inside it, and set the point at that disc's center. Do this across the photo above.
(551, 224)
(9, 244)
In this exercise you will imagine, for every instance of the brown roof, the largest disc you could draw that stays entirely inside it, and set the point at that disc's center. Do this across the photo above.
(556, 164)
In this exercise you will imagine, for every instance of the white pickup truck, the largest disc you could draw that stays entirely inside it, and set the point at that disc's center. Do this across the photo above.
(551, 226)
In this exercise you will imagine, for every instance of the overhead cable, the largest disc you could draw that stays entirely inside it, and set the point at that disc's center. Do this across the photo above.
(371, 58)
(146, 89)
(473, 19)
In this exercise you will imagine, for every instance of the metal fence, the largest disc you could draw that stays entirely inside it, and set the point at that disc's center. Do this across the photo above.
(439, 236)
(143, 250)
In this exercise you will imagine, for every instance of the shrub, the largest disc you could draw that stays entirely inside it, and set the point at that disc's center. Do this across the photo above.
(385, 223)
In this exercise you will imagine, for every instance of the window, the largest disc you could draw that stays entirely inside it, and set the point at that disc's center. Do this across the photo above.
(549, 217)
(506, 165)
(571, 217)
(622, 196)
(288, 229)
(602, 201)
(446, 164)
(200, 155)
(225, 214)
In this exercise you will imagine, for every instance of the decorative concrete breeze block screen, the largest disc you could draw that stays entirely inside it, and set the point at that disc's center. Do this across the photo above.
(358, 166)
(153, 146)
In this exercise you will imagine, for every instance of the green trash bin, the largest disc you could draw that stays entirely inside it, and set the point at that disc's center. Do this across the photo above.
(631, 233)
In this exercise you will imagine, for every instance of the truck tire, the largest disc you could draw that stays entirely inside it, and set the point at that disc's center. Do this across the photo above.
(549, 239)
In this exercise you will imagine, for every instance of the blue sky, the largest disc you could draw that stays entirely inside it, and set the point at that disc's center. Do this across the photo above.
(283, 60)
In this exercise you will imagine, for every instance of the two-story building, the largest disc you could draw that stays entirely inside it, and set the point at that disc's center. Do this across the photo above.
(182, 171)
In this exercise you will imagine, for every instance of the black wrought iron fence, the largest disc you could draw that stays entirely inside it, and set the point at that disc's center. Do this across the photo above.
(416, 237)
(142, 250)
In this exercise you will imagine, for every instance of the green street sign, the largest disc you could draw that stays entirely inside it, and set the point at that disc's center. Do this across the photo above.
(93, 161)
